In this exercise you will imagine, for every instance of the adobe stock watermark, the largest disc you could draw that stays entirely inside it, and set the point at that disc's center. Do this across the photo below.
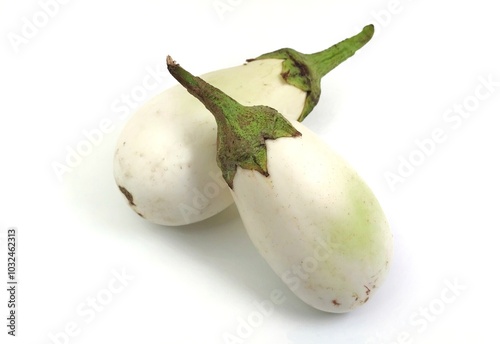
(262, 310)
(222, 7)
(382, 18)
(297, 274)
(246, 326)
(453, 118)
(90, 308)
(31, 26)
(122, 106)
(420, 320)
(202, 198)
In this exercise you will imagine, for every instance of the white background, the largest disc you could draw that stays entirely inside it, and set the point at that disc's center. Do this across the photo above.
(197, 284)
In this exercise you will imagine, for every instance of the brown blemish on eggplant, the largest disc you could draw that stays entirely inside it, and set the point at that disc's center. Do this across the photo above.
(368, 291)
(128, 195)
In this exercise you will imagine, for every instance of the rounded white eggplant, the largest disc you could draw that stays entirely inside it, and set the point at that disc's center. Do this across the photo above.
(309, 214)
(164, 159)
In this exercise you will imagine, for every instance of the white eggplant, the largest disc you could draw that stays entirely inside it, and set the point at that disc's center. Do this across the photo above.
(309, 214)
(164, 160)
(316, 223)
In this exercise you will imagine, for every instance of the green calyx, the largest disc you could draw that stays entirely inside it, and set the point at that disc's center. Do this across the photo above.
(305, 71)
(241, 130)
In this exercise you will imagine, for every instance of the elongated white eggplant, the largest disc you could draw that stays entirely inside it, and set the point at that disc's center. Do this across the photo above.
(309, 214)
(164, 161)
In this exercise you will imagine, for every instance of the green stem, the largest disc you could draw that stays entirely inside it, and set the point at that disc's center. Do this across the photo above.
(325, 61)
(241, 130)
(213, 98)
(305, 71)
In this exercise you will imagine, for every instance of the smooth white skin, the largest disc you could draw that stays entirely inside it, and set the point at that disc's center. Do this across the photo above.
(316, 223)
(166, 154)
